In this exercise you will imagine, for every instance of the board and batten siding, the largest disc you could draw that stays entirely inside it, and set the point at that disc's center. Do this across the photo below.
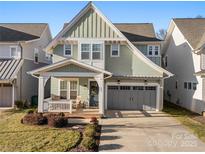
(127, 63)
(91, 25)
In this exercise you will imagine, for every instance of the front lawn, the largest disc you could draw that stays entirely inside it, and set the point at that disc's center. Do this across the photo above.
(187, 118)
(15, 136)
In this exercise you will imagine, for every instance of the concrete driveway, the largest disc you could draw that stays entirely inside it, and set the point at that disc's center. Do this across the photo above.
(146, 131)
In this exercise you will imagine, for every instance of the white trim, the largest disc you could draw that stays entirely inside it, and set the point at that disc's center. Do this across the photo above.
(69, 74)
(71, 48)
(153, 51)
(16, 47)
(118, 46)
(157, 85)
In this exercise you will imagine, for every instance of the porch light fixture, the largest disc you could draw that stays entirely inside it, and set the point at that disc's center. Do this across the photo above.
(145, 81)
(118, 81)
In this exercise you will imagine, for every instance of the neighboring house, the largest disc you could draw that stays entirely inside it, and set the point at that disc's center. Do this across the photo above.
(184, 56)
(95, 62)
(21, 50)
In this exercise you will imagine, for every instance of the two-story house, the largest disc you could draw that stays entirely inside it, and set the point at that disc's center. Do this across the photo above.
(98, 63)
(184, 56)
(21, 50)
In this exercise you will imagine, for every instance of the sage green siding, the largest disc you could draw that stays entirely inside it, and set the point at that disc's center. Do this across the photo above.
(127, 63)
(70, 68)
(142, 48)
(91, 25)
(55, 86)
(58, 54)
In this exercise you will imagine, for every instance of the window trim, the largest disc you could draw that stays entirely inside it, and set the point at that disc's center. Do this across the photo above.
(36, 50)
(101, 51)
(118, 55)
(16, 47)
(71, 50)
(153, 51)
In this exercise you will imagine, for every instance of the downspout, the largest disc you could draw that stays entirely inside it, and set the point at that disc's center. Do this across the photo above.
(21, 71)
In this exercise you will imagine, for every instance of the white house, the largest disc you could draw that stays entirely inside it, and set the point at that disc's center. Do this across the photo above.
(183, 52)
(21, 50)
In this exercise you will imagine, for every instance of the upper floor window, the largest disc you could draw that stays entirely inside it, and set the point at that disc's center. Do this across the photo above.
(67, 50)
(190, 85)
(153, 50)
(85, 51)
(115, 50)
(36, 55)
(14, 52)
(96, 51)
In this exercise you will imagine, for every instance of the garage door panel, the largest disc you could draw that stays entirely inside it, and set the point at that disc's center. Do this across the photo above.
(132, 97)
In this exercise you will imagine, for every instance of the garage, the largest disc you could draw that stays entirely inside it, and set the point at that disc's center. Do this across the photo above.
(6, 95)
(131, 97)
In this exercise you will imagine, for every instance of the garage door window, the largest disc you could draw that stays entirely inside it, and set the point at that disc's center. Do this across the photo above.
(138, 88)
(113, 87)
(150, 88)
(124, 87)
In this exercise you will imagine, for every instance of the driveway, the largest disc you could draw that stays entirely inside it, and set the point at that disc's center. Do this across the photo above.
(145, 131)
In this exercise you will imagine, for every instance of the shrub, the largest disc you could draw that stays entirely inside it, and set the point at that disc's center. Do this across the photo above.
(19, 104)
(88, 143)
(31, 111)
(61, 114)
(57, 121)
(89, 132)
(34, 119)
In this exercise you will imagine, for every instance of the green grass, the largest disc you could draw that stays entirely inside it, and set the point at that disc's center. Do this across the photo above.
(186, 118)
(15, 136)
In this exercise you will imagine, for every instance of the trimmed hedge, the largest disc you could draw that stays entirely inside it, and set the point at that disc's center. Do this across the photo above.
(88, 143)
(34, 119)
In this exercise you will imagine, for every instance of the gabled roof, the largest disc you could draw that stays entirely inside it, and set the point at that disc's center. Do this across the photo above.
(9, 69)
(193, 30)
(67, 62)
(137, 31)
(10, 35)
(90, 5)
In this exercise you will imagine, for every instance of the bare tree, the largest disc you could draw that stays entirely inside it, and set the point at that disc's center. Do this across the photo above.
(199, 16)
(161, 34)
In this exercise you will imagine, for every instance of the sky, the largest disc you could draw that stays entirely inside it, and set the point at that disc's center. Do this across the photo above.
(57, 13)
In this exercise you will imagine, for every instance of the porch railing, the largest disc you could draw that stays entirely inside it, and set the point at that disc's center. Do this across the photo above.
(59, 105)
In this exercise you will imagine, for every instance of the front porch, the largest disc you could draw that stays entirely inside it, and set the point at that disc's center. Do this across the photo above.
(76, 88)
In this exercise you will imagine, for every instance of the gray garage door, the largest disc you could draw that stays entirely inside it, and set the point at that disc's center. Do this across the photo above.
(131, 97)
(5, 96)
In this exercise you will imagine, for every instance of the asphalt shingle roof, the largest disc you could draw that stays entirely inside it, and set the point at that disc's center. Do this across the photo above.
(193, 30)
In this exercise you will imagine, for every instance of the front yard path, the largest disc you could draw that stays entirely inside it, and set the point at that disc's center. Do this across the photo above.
(146, 131)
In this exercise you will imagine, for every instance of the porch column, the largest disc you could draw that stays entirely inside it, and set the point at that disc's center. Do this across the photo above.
(13, 95)
(100, 80)
(40, 93)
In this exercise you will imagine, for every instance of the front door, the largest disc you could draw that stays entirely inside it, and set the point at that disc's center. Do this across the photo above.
(94, 90)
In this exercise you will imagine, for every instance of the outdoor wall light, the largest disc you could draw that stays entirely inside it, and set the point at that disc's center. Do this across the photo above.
(118, 81)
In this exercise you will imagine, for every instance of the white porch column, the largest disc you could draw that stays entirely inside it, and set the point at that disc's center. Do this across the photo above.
(100, 80)
(40, 93)
(13, 95)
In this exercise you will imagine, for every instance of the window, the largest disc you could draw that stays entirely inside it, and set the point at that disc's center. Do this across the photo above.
(63, 89)
(115, 50)
(156, 50)
(153, 50)
(138, 88)
(124, 87)
(14, 52)
(85, 51)
(36, 60)
(67, 50)
(96, 51)
(73, 89)
(176, 85)
(185, 85)
(189, 85)
(194, 86)
(150, 51)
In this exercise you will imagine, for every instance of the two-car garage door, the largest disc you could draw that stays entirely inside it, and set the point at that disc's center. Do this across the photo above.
(131, 97)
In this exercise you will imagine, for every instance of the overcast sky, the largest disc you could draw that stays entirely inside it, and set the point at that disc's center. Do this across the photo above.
(56, 13)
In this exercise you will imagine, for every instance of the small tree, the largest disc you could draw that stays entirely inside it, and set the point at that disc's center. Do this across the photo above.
(161, 34)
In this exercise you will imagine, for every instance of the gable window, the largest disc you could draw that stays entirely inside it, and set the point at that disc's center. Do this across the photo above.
(14, 52)
(96, 51)
(156, 50)
(150, 51)
(36, 55)
(85, 51)
(67, 50)
(189, 85)
(115, 50)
